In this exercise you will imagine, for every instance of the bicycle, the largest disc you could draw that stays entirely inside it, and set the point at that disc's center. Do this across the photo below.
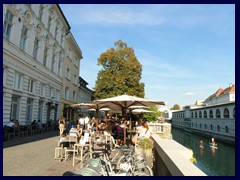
(139, 165)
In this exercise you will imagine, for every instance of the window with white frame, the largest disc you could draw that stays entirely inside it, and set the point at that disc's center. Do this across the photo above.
(50, 92)
(70, 53)
(35, 48)
(59, 67)
(74, 79)
(40, 110)
(42, 89)
(52, 63)
(66, 93)
(17, 80)
(29, 110)
(56, 31)
(62, 36)
(68, 74)
(57, 95)
(30, 85)
(7, 25)
(14, 107)
(4, 76)
(23, 38)
(74, 96)
(40, 13)
(49, 23)
(76, 62)
(45, 56)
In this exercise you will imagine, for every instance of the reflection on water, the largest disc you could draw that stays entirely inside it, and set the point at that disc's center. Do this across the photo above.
(214, 161)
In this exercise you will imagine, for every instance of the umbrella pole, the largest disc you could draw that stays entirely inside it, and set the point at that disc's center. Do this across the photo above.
(97, 120)
(130, 127)
(130, 124)
(124, 131)
(97, 125)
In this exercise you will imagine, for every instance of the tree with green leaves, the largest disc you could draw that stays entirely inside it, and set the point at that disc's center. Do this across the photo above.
(120, 73)
(175, 107)
(152, 117)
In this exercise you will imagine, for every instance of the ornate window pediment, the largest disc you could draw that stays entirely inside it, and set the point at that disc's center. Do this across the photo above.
(47, 41)
(14, 9)
(39, 32)
(54, 47)
(51, 13)
(27, 20)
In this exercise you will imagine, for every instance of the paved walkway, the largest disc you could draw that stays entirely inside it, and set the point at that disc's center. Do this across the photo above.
(33, 156)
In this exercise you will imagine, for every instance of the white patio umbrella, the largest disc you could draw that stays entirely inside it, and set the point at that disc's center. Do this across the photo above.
(123, 102)
(138, 107)
(91, 107)
(84, 105)
(141, 111)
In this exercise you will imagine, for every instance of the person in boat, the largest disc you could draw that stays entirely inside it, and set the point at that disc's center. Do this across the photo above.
(213, 142)
(201, 143)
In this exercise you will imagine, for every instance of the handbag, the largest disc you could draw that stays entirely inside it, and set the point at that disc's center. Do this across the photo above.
(134, 139)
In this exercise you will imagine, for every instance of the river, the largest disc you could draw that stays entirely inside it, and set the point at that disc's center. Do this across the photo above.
(213, 162)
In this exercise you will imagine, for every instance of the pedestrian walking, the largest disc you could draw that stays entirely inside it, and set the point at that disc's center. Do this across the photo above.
(61, 125)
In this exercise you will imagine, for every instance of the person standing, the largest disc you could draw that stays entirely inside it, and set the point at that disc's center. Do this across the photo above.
(81, 122)
(145, 130)
(213, 141)
(86, 120)
(61, 125)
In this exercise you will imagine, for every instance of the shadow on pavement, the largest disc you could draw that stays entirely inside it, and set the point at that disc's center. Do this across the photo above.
(29, 139)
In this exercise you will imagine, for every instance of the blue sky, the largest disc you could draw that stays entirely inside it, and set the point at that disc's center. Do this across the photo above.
(187, 51)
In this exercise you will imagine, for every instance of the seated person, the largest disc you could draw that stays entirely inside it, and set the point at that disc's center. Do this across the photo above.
(79, 130)
(11, 123)
(39, 125)
(76, 131)
(73, 131)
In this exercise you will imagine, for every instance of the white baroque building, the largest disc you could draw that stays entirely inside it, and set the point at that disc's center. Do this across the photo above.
(215, 117)
(34, 37)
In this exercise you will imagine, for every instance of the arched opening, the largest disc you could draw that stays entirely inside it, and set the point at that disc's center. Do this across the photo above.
(226, 113)
(218, 114)
(205, 114)
(226, 129)
(210, 114)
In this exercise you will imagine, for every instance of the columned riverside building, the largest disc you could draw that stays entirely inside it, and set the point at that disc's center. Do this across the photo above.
(34, 41)
(214, 118)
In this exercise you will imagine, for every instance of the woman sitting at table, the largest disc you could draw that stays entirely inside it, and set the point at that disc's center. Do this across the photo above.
(80, 131)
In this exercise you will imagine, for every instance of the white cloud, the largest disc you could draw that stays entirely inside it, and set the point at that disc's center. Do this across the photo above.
(111, 15)
(179, 16)
(188, 94)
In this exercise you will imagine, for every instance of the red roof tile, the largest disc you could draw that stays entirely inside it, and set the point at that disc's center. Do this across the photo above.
(228, 90)
(221, 91)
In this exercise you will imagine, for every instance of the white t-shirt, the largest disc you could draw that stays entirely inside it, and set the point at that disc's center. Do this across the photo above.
(81, 121)
(10, 124)
(143, 132)
(86, 120)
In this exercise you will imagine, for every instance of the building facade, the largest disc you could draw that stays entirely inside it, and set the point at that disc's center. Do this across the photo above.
(85, 94)
(34, 37)
(71, 70)
(216, 117)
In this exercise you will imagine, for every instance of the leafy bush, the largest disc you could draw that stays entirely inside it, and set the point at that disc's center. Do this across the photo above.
(145, 143)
